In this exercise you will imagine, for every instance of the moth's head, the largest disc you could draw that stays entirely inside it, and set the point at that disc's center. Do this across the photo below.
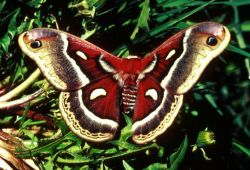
(208, 37)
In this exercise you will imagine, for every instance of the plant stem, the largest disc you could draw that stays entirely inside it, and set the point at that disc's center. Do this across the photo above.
(105, 158)
(14, 103)
(23, 86)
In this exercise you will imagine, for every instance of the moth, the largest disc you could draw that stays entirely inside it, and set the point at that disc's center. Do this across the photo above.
(96, 86)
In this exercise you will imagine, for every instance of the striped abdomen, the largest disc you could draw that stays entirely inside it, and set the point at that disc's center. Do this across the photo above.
(129, 94)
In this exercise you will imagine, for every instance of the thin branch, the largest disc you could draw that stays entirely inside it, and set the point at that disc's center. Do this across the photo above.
(23, 86)
(14, 103)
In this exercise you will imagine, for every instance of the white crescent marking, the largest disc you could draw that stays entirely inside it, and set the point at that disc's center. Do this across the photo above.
(152, 93)
(106, 66)
(82, 55)
(96, 93)
(148, 69)
(66, 113)
(131, 57)
(109, 122)
(152, 115)
(151, 66)
(167, 78)
(170, 54)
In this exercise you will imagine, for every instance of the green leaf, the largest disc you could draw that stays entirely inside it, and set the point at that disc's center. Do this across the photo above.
(166, 25)
(26, 110)
(35, 3)
(241, 147)
(142, 20)
(48, 148)
(144, 16)
(238, 50)
(177, 157)
(125, 135)
(5, 42)
(2, 4)
(126, 165)
(33, 138)
(126, 131)
(211, 100)
(30, 122)
(25, 25)
(6, 120)
(38, 20)
(50, 164)
(247, 63)
(245, 26)
(12, 29)
(98, 158)
(176, 3)
(158, 166)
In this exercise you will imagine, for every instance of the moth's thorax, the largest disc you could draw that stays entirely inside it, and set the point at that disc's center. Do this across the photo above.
(132, 72)
(129, 78)
(131, 65)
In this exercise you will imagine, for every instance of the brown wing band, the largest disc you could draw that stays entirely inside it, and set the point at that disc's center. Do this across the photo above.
(83, 122)
(157, 121)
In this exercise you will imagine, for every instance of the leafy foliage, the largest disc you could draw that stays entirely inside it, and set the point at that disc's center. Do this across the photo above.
(221, 101)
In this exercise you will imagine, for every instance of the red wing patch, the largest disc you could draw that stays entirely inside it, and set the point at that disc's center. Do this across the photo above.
(92, 112)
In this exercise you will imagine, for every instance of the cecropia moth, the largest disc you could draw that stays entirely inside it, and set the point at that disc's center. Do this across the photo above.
(96, 86)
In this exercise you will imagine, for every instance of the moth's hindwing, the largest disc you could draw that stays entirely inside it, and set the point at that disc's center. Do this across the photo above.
(155, 110)
(83, 121)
